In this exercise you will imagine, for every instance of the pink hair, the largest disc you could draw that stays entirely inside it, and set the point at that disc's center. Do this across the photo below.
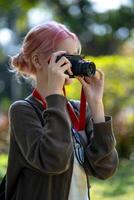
(41, 39)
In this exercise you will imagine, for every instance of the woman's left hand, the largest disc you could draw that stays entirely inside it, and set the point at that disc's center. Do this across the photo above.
(93, 88)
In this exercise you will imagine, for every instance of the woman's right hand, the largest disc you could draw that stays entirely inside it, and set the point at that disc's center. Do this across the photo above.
(56, 73)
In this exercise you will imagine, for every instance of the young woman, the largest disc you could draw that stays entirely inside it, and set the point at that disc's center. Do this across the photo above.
(43, 163)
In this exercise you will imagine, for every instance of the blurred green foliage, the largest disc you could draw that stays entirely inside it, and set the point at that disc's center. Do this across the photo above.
(100, 33)
(4, 104)
(3, 164)
(119, 187)
(119, 82)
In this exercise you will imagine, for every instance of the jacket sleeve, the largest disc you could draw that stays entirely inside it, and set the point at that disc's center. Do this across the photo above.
(101, 154)
(48, 149)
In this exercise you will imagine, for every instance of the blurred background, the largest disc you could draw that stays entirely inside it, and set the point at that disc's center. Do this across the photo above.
(106, 31)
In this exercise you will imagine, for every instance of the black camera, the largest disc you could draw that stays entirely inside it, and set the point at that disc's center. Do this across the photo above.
(80, 67)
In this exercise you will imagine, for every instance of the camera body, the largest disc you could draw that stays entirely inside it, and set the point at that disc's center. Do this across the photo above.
(80, 67)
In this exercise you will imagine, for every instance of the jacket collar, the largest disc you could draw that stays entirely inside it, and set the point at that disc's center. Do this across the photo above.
(35, 101)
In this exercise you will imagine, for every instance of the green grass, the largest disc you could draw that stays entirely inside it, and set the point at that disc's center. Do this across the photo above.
(119, 187)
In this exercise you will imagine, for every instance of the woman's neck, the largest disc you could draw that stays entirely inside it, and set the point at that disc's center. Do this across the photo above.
(42, 86)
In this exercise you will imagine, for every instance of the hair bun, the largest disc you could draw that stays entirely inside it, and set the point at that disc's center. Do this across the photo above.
(19, 62)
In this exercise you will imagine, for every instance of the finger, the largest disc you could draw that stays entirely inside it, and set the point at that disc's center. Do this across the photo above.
(67, 68)
(88, 79)
(68, 81)
(63, 60)
(82, 81)
(101, 73)
(96, 76)
(54, 56)
(66, 76)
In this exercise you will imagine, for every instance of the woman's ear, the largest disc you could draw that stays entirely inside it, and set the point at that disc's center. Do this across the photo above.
(36, 61)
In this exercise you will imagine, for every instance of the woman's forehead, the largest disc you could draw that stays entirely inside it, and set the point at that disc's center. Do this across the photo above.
(69, 45)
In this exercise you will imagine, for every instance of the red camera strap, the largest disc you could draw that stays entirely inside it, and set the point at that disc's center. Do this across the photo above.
(37, 95)
(78, 123)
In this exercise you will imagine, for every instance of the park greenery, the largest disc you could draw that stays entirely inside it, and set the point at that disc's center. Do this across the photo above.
(119, 187)
(100, 33)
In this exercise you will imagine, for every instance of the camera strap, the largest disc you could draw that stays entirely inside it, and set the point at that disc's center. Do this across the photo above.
(37, 95)
(78, 122)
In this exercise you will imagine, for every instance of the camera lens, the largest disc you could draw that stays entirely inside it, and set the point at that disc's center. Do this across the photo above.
(83, 68)
(91, 69)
